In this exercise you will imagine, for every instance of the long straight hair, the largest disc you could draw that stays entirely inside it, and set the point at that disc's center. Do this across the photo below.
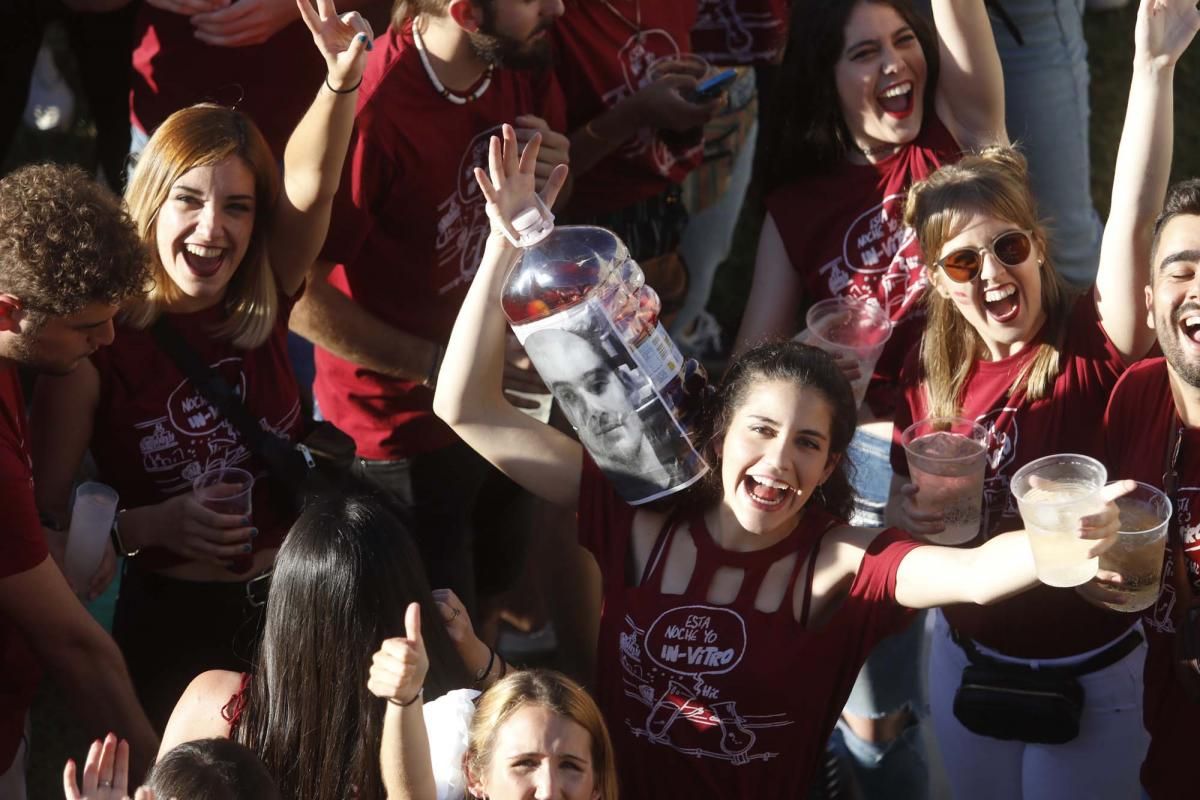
(199, 136)
(810, 136)
(343, 579)
(993, 182)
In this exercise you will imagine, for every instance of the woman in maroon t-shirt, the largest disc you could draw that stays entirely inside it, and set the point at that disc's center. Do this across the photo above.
(230, 244)
(1009, 345)
(733, 624)
(875, 102)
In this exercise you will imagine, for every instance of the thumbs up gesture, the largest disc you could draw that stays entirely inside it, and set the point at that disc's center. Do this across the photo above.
(398, 668)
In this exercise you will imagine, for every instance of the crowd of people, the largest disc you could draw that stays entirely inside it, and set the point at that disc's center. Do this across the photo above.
(301, 289)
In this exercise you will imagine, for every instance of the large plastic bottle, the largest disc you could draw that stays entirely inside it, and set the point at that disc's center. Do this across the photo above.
(579, 306)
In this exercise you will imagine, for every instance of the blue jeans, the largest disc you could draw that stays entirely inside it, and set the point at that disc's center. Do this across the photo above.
(1047, 111)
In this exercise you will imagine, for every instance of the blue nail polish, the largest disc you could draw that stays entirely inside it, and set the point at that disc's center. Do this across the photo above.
(253, 532)
(246, 548)
(245, 520)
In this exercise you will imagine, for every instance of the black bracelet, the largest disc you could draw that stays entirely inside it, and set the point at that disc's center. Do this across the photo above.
(351, 90)
(503, 668)
(420, 693)
(491, 660)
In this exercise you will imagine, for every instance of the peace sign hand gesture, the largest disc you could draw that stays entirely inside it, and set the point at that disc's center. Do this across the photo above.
(343, 42)
(398, 668)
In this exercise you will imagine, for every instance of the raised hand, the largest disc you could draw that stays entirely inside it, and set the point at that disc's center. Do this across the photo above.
(509, 186)
(1165, 28)
(105, 773)
(398, 668)
(343, 41)
(238, 24)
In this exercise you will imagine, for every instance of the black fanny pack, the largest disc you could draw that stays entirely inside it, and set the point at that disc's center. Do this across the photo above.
(1017, 702)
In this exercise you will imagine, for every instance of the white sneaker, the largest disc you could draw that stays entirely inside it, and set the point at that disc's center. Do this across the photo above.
(51, 103)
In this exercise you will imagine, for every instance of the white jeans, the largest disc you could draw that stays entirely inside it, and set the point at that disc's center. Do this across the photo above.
(1101, 763)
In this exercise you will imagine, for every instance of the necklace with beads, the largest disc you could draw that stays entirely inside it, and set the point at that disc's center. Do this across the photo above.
(439, 87)
(634, 24)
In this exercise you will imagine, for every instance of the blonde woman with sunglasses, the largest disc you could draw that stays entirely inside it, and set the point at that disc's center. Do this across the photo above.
(1009, 346)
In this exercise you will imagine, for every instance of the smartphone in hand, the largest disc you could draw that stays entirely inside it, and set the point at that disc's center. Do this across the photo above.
(710, 89)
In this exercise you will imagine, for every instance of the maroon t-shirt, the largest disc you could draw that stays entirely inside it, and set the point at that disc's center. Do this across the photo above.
(408, 229)
(707, 700)
(1044, 622)
(845, 234)
(732, 32)
(154, 432)
(602, 59)
(1139, 427)
(273, 83)
(22, 547)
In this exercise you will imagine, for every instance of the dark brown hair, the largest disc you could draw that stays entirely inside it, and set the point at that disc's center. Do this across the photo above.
(65, 241)
(211, 769)
(1183, 199)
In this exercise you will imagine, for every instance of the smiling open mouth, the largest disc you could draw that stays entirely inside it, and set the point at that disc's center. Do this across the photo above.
(897, 100)
(1190, 325)
(202, 260)
(1002, 303)
(766, 492)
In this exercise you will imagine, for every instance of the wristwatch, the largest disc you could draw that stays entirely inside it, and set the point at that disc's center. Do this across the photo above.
(115, 534)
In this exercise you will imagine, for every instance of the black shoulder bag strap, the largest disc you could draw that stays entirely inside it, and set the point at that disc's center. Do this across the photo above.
(288, 462)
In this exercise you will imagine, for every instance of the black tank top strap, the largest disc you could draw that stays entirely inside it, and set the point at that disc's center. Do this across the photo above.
(814, 551)
(662, 544)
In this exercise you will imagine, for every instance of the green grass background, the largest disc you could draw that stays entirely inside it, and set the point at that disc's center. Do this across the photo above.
(1110, 40)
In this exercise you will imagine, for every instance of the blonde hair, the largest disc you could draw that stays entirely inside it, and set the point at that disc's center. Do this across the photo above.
(993, 182)
(199, 136)
(550, 690)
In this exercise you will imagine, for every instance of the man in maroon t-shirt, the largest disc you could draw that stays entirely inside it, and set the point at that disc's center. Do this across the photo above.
(405, 238)
(68, 257)
(1155, 403)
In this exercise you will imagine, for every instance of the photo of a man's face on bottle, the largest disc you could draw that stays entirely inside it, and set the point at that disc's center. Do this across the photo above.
(613, 408)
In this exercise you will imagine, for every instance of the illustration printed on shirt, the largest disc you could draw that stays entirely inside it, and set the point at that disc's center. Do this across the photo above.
(748, 35)
(665, 668)
(637, 56)
(1002, 437)
(1159, 617)
(880, 262)
(192, 436)
(463, 226)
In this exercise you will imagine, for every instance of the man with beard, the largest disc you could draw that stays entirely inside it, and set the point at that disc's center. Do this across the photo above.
(68, 257)
(1153, 427)
(406, 236)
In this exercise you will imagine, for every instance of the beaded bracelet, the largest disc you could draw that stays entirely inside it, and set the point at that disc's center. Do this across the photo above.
(351, 90)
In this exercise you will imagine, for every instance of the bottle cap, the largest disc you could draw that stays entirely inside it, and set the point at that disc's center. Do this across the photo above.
(527, 219)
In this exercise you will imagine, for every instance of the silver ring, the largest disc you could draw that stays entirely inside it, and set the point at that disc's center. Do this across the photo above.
(106, 784)
(454, 616)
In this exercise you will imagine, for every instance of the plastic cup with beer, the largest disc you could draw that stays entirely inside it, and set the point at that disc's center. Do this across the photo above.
(92, 513)
(1053, 493)
(226, 490)
(1138, 554)
(853, 329)
(947, 457)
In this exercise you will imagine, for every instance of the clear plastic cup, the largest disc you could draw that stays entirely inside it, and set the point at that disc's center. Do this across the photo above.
(1053, 493)
(682, 64)
(226, 490)
(947, 457)
(92, 513)
(1138, 554)
(850, 328)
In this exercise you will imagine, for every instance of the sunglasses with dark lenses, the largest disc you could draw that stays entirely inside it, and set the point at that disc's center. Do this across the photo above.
(1010, 248)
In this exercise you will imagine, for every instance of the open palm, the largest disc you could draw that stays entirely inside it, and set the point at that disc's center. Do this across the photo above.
(1165, 28)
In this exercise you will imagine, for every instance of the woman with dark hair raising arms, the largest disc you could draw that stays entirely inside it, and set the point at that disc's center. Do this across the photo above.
(734, 624)
(1008, 345)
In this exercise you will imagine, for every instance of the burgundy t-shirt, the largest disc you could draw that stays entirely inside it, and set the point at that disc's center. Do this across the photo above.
(273, 83)
(706, 700)
(22, 547)
(408, 230)
(732, 32)
(1045, 622)
(154, 432)
(1139, 427)
(602, 59)
(845, 234)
